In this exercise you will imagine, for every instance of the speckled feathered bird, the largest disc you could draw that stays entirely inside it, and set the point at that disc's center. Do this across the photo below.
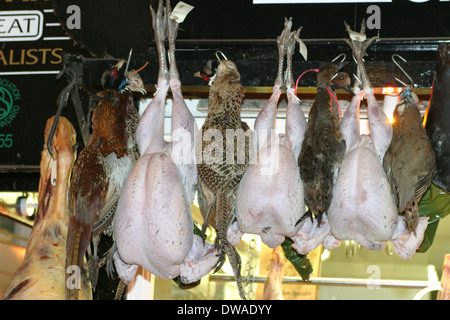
(102, 167)
(410, 161)
(219, 170)
(323, 146)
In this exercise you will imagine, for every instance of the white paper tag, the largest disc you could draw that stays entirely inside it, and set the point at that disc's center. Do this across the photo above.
(180, 11)
(303, 49)
(357, 36)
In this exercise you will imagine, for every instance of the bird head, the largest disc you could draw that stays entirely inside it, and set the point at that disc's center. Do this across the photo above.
(227, 68)
(326, 73)
(114, 77)
(208, 70)
(341, 80)
(118, 78)
(134, 82)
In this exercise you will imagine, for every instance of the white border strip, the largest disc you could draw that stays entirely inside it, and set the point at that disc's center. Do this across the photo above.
(53, 24)
(56, 38)
(21, 73)
(315, 1)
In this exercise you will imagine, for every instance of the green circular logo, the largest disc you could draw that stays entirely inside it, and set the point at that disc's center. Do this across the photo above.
(6, 102)
(9, 94)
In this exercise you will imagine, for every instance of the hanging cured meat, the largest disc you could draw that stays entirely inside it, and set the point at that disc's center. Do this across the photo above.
(273, 285)
(153, 226)
(445, 279)
(362, 208)
(41, 276)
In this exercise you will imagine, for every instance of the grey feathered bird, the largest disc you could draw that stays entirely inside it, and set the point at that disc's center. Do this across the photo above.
(410, 160)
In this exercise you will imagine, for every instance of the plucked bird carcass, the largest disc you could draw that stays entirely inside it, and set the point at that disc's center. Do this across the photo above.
(409, 162)
(323, 146)
(362, 207)
(153, 225)
(41, 275)
(273, 285)
(270, 199)
(103, 166)
(437, 117)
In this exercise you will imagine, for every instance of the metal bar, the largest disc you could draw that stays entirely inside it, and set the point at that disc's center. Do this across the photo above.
(16, 218)
(323, 281)
(19, 168)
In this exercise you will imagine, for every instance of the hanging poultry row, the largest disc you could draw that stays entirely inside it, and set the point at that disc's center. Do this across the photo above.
(318, 183)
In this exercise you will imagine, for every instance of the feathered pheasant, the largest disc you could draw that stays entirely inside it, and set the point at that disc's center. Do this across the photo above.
(102, 167)
(224, 158)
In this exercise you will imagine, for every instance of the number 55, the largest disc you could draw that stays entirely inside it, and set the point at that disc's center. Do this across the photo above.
(6, 140)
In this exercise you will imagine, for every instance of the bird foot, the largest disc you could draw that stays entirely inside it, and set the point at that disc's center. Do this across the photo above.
(93, 265)
(358, 42)
(412, 216)
(159, 22)
(282, 49)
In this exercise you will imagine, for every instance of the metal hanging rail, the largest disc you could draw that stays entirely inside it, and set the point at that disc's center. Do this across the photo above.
(323, 281)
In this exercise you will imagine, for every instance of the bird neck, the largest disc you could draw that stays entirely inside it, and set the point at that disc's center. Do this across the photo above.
(225, 96)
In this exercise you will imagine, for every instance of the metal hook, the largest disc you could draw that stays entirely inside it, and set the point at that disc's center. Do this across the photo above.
(357, 79)
(62, 102)
(404, 72)
(129, 59)
(343, 59)
(222, 55)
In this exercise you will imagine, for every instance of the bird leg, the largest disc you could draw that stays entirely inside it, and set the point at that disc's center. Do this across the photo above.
(221, 225)
(94, 262)
(159, 27)
(295, 119)
(290, 47)
(359, 48)
(282, 47)
(172, 31)
(184, 127)
(380, 128)
(150, 141)
(265, 120)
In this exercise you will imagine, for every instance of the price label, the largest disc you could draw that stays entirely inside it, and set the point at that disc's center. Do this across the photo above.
(180, 11)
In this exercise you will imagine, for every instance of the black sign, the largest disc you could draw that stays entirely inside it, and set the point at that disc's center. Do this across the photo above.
(31, 46)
